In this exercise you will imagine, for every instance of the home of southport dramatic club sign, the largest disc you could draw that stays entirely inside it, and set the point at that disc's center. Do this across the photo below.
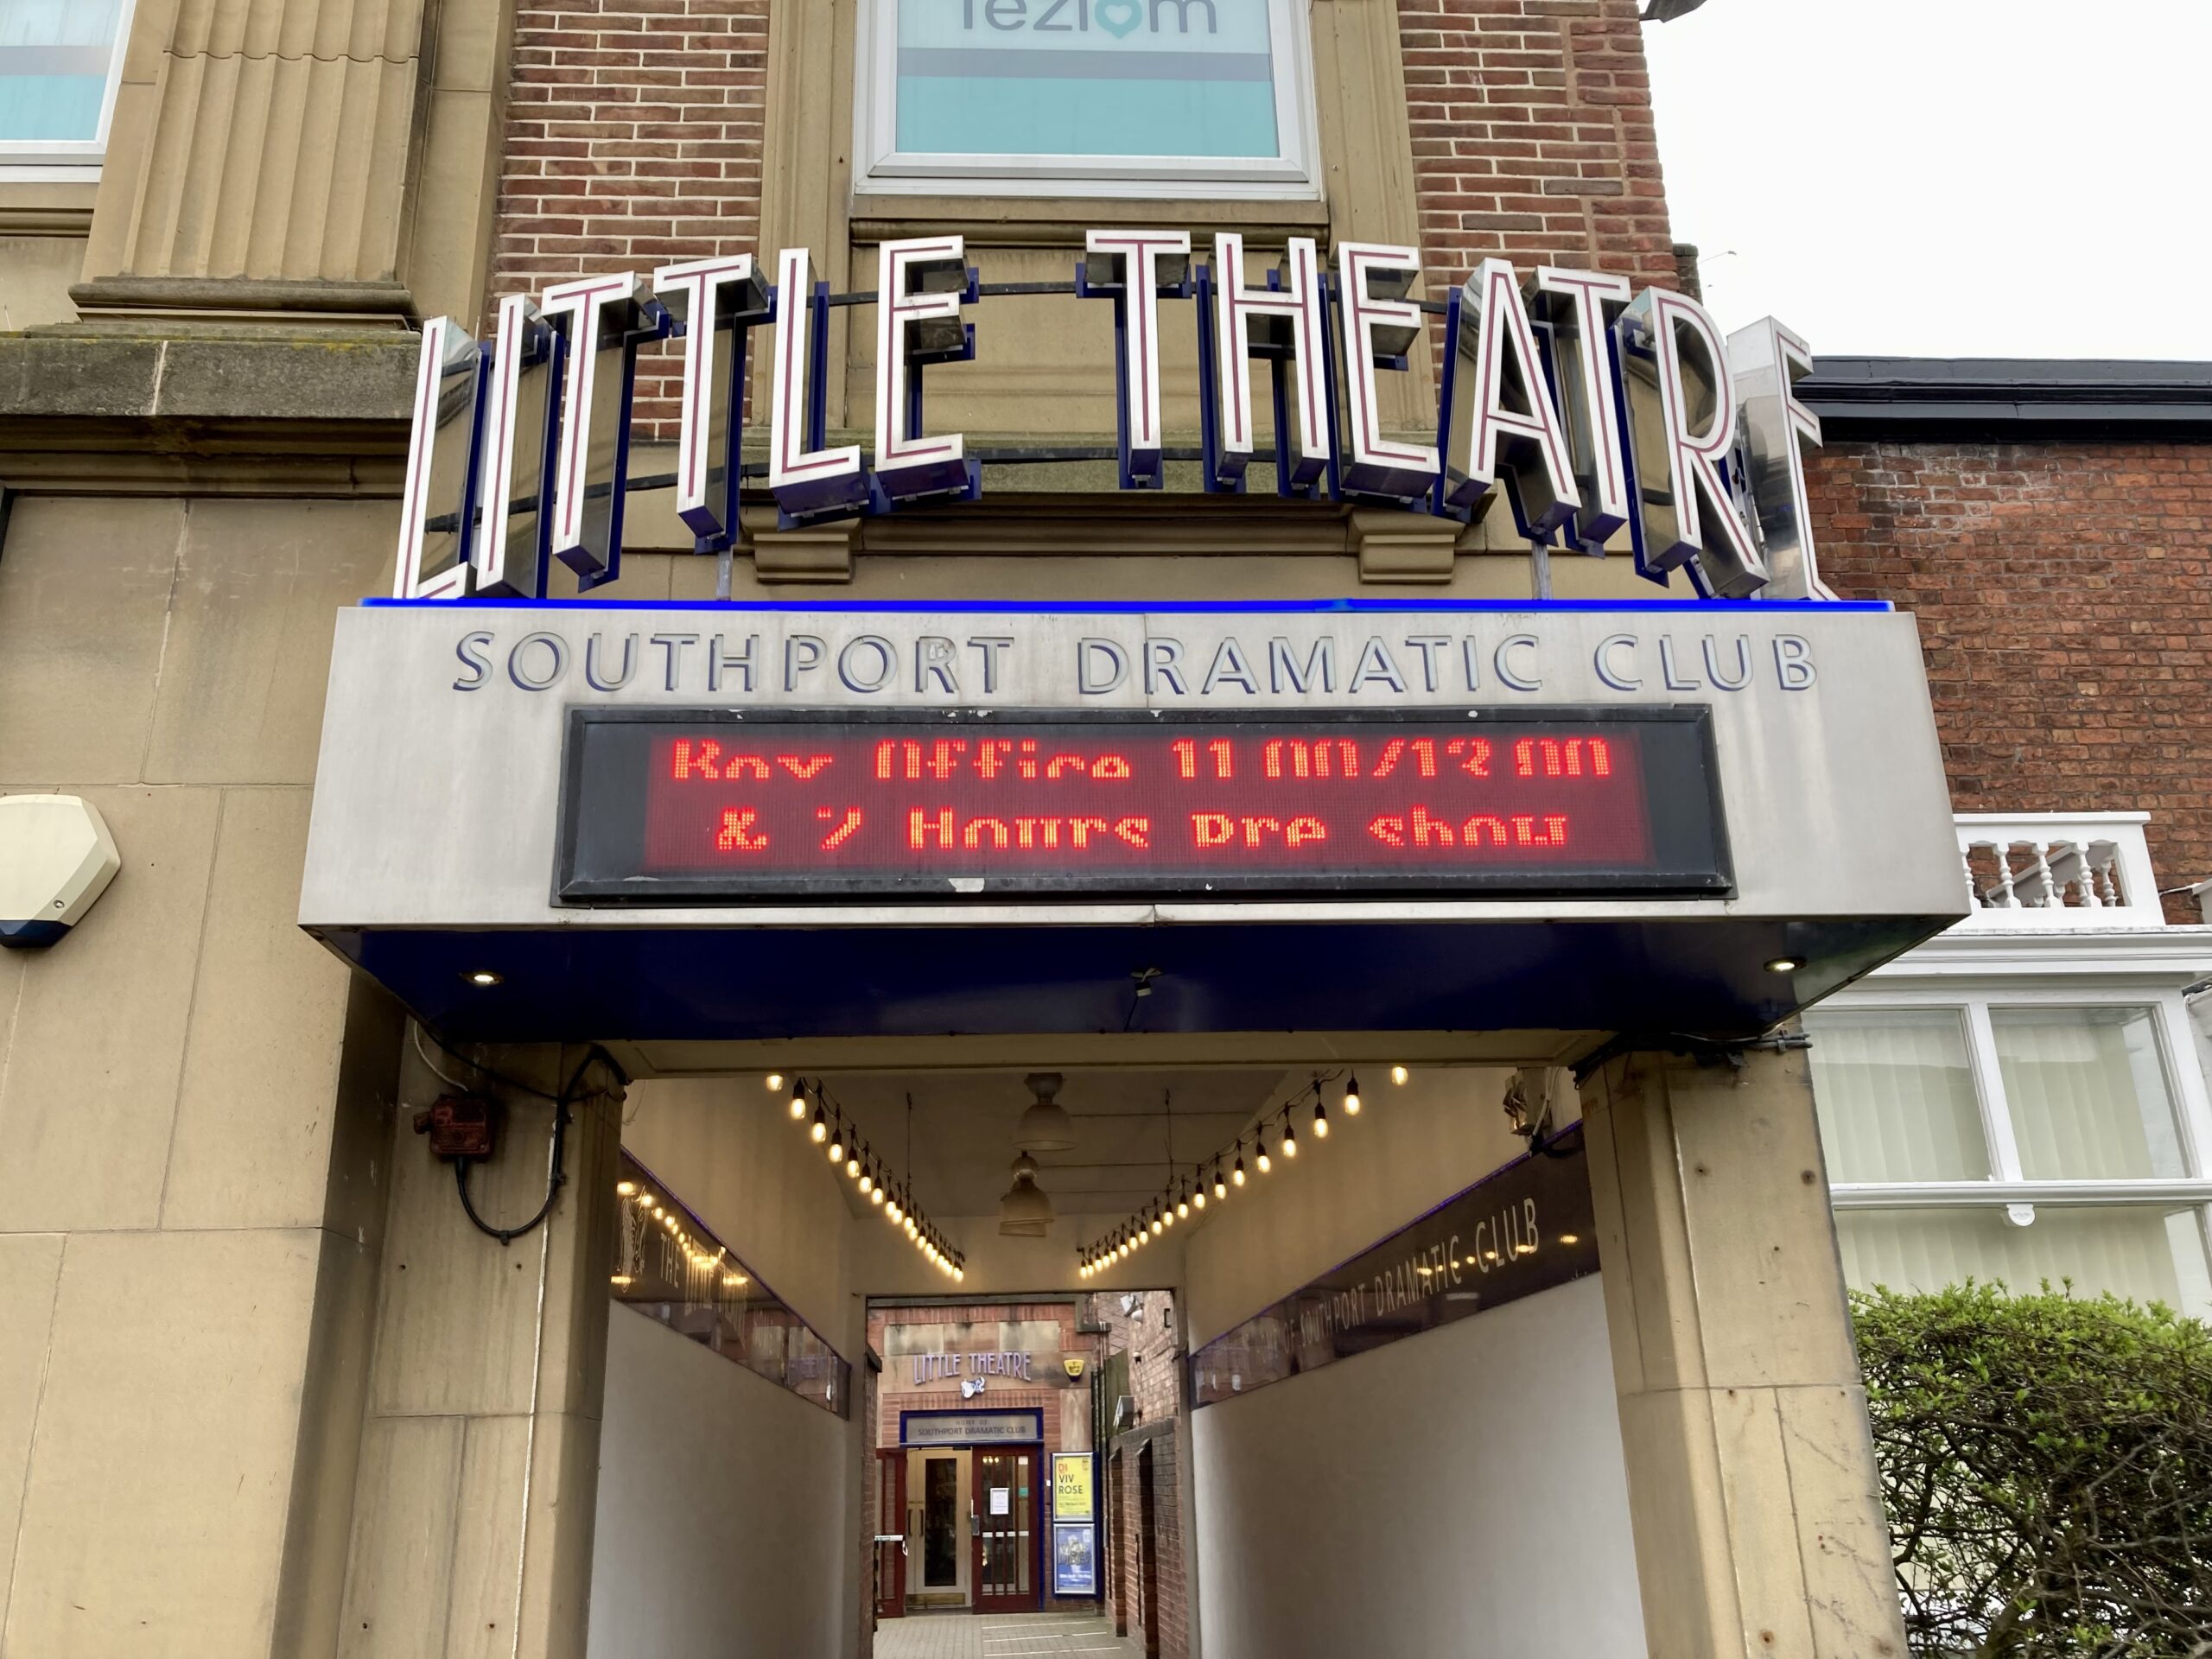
(1590, 408)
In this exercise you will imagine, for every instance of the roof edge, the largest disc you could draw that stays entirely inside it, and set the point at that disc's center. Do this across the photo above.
(2010, 398)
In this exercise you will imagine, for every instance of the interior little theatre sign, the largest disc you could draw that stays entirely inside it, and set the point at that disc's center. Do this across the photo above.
(1593, 411)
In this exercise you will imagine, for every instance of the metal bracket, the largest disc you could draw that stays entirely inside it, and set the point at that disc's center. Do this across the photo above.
(1704, 1051)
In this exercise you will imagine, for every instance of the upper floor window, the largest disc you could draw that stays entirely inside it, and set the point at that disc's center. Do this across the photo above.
(59, 61)
(1133, 98)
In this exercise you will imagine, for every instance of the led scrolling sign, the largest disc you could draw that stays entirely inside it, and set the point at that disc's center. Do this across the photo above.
(672, 805)
(1592, 410)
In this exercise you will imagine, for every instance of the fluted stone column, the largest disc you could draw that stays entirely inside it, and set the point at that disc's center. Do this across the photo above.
(281, 161)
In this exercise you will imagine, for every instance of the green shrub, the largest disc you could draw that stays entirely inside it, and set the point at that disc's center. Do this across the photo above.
(2047, 1465)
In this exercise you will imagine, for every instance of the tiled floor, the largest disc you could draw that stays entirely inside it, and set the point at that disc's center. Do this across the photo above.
(998, 1636)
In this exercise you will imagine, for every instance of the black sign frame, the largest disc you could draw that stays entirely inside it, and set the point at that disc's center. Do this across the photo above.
(1688, 828)
(1526, 1227)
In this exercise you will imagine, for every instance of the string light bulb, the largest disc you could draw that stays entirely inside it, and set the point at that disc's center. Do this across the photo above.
(1158, 1226)
(876, 1197)
(867, 1178)
(1398, 1075)
(1320, 1120)
(1239, 1176)
(1220, 1188)
(837, 1146)
(774, 1081)
(820, 1132)
(798, 1100)
(1198, 1196)
(1351, 1092)
(1182, 1205)
(1289, 1137)
(1263, 1161)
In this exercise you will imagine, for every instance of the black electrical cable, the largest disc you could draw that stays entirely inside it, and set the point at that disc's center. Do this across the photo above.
(557, 1177)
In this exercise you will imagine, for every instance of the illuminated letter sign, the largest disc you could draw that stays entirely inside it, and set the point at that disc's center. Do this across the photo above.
(1539, 389)
(1512, 425)
(1574, 303)
(920, 287)
(808, 481)
(716, 301)
(1271, 322)
(1683, 424)
(1380, 325)
(1766, 361)
(513, 537)
(601, 320)
(440, 466)
(1129, 273)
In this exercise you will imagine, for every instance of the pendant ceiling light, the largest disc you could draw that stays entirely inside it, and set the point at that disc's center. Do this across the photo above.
(1045, 1127)
(1025, 1211)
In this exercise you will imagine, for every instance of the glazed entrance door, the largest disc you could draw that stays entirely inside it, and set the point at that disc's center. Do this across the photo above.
(942, 1524)
(1006, 1535)
(891, 1541)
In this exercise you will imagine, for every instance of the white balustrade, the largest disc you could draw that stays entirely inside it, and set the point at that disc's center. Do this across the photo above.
(2079, 870)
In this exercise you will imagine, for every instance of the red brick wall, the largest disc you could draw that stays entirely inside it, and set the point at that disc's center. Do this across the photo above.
(1147, 1334)
(1533, 136)
(633, 140)
(635, 127)
(897, 1394)
(1168, 1520)
(2064, 594)
(1170, 1590)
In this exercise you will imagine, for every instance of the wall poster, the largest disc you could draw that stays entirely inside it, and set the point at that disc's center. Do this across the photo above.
(1072, 1493)
(1075, 1559)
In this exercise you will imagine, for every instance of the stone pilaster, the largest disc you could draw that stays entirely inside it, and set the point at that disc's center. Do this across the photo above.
(1751, 1481)
(282, 160)
(479, 1454)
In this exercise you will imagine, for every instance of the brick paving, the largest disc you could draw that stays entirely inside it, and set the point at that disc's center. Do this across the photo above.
(998, 1636)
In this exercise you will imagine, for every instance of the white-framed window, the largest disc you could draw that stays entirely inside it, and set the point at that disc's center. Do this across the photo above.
(60, 61)
(2017, 1136)
(1125, 97)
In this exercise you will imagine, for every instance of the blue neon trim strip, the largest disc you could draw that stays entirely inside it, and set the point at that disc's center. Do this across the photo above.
(1137, 608)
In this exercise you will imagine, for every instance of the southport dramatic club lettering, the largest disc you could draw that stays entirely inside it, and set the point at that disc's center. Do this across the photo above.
(1595, 413)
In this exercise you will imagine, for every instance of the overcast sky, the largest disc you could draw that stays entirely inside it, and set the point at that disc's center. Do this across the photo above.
(1937, 178)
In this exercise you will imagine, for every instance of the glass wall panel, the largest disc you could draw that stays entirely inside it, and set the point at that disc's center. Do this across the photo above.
(2087, 1092)
(2145, 1253)
(1896, 1096)
(55, 58)
(1164, 78)
(667, 1266)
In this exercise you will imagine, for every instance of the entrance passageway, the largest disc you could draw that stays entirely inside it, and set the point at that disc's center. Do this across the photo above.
(980, 1636)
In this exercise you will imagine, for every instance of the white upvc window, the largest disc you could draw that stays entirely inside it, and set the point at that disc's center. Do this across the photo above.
(1181, 99)
(60, 61)
(2020, 1135)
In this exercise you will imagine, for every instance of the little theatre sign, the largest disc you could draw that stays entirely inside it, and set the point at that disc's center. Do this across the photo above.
(1590, 409)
